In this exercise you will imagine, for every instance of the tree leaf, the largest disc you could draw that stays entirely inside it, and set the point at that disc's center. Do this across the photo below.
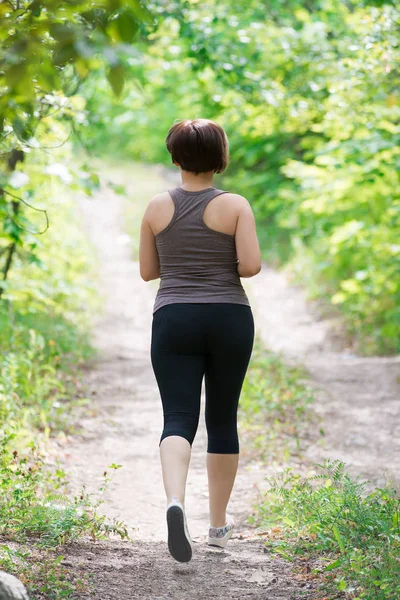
(338, 537)
(127, 27)
(140, 11)
(36, 7)
(333, 565)
(63, 54)
(116, 77)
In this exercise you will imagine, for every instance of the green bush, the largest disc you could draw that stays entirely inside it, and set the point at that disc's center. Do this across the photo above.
(355, 535)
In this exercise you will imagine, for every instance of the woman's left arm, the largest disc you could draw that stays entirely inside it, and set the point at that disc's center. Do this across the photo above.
(148, 256)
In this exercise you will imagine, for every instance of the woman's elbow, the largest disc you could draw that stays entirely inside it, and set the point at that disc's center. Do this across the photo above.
(149, 275)
(249, 270)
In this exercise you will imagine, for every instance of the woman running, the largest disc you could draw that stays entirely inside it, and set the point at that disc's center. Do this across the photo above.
(200, 241)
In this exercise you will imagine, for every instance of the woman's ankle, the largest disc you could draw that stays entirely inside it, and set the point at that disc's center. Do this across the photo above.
(218, 523)
(175, 498)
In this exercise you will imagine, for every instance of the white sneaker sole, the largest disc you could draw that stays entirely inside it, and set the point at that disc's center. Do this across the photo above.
(179, 543)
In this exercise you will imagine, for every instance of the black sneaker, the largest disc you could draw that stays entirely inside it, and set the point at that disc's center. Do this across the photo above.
(179, 541)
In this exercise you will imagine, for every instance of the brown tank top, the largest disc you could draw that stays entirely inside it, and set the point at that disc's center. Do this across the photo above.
(197, 264)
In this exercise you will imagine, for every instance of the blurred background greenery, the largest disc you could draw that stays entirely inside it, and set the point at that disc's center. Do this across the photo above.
(309, 96)
(308, 93)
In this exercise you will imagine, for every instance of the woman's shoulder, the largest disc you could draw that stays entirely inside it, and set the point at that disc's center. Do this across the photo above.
(232, 198)
(160, 198)
(223, 196)
(159, 202)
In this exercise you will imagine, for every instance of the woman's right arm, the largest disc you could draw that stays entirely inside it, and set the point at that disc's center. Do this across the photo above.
(247, 246)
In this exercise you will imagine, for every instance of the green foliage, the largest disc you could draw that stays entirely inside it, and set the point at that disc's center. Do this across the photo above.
(54, 259)
(31, 508)
(36, 513)
(47, 49)
(308, 94)
(45, 318)
(51, 46)
(29, 388)
(329, 515)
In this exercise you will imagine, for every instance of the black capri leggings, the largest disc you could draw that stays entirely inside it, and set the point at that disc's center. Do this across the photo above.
(190, 341)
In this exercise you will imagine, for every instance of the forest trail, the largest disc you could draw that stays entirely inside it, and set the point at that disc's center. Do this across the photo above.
(127, 421)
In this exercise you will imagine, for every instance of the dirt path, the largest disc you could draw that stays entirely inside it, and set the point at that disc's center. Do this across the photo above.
(355, 395)
(358, 398)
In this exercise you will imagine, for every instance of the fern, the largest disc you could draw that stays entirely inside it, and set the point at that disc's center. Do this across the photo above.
(58, 498)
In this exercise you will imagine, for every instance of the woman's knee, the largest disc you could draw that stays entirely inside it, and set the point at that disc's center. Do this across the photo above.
(180, 423)
(222, 437)
(218, 445)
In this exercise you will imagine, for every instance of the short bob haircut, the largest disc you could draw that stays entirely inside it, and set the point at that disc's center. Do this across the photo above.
(198, 146)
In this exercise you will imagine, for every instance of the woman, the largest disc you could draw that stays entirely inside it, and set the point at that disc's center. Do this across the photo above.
(199, 240)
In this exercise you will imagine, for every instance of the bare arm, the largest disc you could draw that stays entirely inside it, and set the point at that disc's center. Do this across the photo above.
(247, 246)
(148, 256)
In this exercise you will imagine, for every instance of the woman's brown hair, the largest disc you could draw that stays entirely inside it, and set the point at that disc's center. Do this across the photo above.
(198, 145)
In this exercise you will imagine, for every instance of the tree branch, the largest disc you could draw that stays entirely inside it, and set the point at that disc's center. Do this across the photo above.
(30, 206)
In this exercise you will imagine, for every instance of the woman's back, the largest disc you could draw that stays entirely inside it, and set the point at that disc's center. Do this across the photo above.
(221, 214)
(198, 262)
